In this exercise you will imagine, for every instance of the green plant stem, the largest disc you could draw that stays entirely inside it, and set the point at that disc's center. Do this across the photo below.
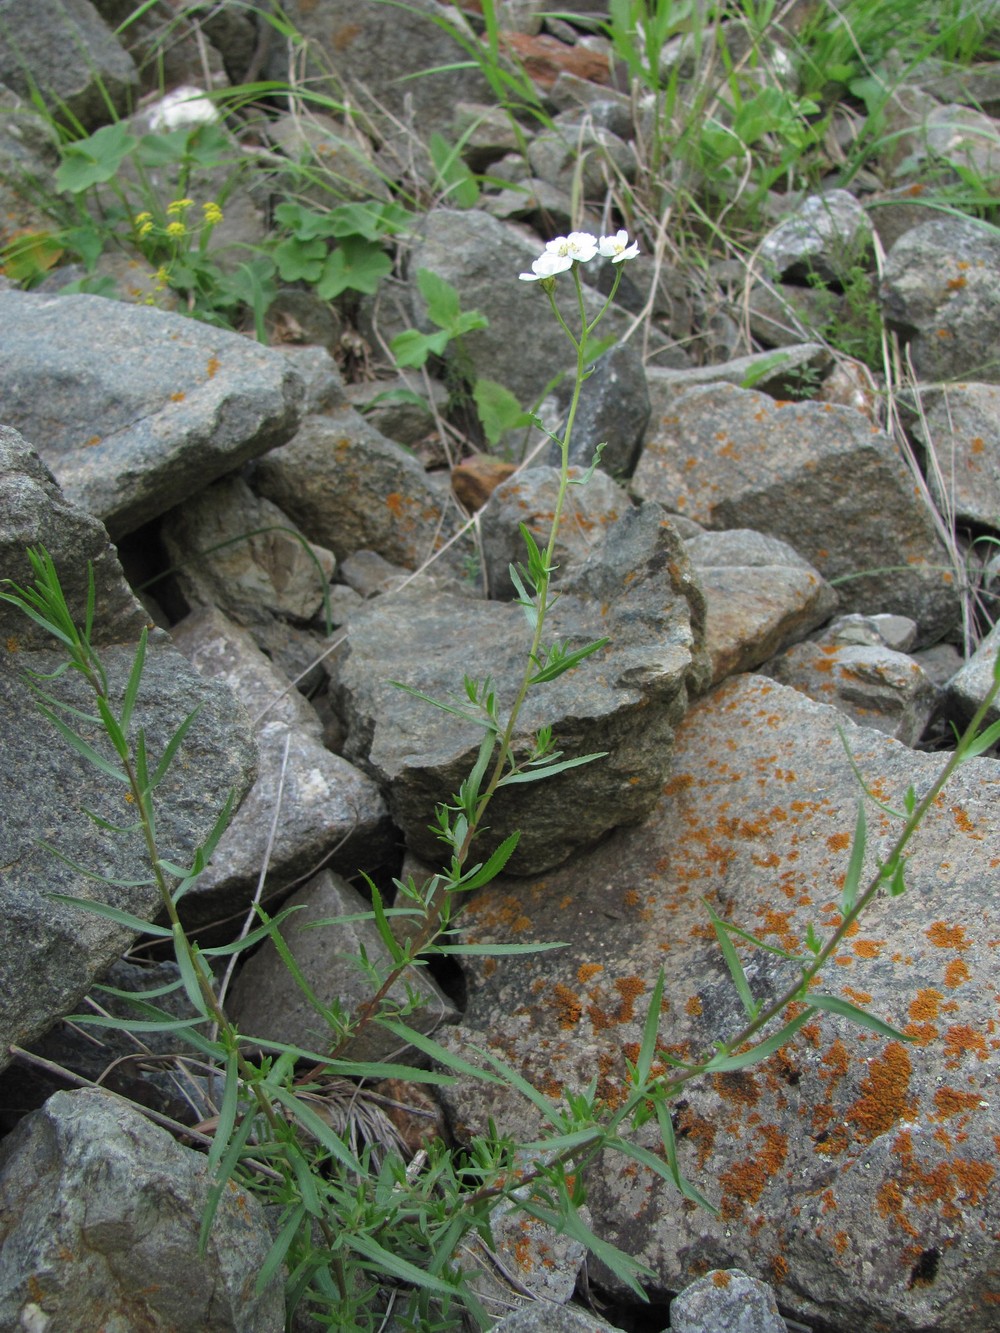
(433, 919)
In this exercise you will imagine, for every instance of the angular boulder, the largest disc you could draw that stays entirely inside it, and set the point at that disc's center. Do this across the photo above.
(167, 406)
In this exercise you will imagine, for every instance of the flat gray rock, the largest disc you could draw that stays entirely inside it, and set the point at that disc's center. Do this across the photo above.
(822, 478)
(51, 953)
(167, 406)
(854, 1173)
(100, 1212)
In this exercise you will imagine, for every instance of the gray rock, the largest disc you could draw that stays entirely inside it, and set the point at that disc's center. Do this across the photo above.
(581, 156)
(351, 489)
(896, 632)
(543, 1317)
(50, 952)
(828, 235)
(523, 347)
(968, 687)
(818, 476)
(960, 428)
(941, 288)
(613, 410)
(529, 497)
(760, 596)
(167, 407)
(373, 49)
(65, 50)
(266, 1002)
(853, 1172)
(233, 550)
(955, 137)
(100, 1212)
(625, 699)
(329, 812)
(322, 381)
(726, 1301)
(774, 373)
(872, 684)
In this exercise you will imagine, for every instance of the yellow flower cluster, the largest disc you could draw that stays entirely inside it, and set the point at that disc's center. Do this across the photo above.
(178, 206)
(213, 214)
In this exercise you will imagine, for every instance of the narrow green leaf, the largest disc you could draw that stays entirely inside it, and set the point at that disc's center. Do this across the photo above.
(135, 677)
(276, 1254)
(227, 1112)
(483, 874)
(514, 1079)
(733, 962)
(549, 770)
(721, 1063)
(393, 1264)
(317, 1127)
(226, 1169)
(497, 950)
(252, 938)
(437, 1052)
(113, 914)
(382, 926)
(670, 1148)
(136, 1025)
(984, 740)
(833, 1004)
(84, 748)
(849, 894)
(111, 727)
(566, 662)
(172, 747)
(189, 965)
(467, 715)
(650, 1030)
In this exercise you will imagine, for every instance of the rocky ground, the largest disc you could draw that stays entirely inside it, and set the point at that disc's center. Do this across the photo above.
(788, 546)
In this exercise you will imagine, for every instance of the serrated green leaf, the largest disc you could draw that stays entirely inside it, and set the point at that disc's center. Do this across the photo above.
(480, 875)
(498, 409)
(564, 662)
(441, 298)
(356, 265)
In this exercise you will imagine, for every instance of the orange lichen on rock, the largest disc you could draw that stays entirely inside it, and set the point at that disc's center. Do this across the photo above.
(720, 1278)
(949, 1102)
(956, 974)
(587, 970)
(926, 1006)
(884, 1096)
(745, 1181)
(943, 936)
(567, 1005)
(961, 1038)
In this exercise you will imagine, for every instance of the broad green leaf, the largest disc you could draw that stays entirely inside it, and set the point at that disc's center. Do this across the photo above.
(762, 368)
(411, 348)
(96, 159)
(443, 306)
(833, 1004)
(300, 261)
(499, 411)
(356, 265)
(458, 182)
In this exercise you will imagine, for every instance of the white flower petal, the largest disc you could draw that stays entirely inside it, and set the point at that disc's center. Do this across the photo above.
(616, 248)
(547, 266)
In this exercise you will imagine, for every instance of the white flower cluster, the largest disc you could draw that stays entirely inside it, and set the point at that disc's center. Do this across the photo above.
(579, 247)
